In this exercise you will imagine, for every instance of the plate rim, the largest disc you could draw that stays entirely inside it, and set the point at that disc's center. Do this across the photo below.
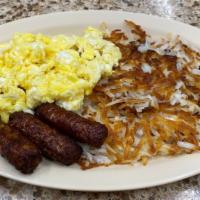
(109, 189)
(23, 19)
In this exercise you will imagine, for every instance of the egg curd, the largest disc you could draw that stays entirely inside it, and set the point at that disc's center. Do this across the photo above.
(36, 68)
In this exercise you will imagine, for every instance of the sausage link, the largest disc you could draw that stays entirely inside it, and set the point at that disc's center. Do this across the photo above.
(52, 144)
(18, 150)
(84, 130)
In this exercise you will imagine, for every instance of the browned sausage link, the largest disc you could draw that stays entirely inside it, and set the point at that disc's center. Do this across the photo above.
(84, 130)
(18, 150)
(52, 144)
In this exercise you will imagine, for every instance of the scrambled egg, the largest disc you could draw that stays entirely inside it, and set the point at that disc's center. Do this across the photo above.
(35, 69)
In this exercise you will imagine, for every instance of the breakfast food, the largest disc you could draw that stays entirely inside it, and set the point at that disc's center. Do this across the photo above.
(18, 150)
(52, 144)
(36, 69)
(150, 104)
(84, 130)
(123, 97)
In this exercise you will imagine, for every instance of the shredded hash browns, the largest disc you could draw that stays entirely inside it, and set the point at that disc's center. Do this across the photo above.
(150, 104)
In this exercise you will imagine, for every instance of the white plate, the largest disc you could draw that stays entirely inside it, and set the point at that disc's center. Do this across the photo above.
(158, 171)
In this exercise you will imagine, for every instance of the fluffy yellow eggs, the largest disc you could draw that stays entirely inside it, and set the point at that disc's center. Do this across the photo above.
(35, 68)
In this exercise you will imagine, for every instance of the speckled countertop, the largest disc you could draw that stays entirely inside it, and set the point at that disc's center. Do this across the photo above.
(187, 11)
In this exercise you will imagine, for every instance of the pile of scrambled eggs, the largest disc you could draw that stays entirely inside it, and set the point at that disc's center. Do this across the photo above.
(36, 68)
